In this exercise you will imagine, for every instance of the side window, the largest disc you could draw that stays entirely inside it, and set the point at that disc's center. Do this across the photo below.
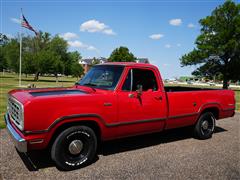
(140, 77)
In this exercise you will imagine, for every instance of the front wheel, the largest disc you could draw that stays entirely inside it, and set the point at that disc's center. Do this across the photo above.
(205, 126)
(75, 147)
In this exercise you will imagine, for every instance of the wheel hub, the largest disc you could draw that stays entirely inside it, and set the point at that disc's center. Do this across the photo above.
(205, 125)
(75, 147)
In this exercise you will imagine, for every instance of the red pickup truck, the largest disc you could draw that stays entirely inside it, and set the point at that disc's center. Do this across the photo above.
(112, 100)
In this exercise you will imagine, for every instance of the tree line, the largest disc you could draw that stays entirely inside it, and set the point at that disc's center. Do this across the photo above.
(44, 54)
(41, 54)
(217, 51)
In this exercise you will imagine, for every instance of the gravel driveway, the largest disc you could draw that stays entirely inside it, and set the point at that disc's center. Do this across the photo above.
(169, 155)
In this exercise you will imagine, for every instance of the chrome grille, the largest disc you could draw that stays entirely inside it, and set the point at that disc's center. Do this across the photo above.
(15, 111)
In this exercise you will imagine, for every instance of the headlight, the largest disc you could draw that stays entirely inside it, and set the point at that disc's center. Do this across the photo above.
(16, 112)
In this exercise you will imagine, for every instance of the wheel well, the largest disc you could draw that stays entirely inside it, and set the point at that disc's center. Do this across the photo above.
(92, 124)
(213, 110)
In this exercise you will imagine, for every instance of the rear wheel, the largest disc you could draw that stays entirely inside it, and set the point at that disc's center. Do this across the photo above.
(205, 126)
(75, 147)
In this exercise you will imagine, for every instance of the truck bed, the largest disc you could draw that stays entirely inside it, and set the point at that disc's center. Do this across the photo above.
(180, 88)
(185, 103)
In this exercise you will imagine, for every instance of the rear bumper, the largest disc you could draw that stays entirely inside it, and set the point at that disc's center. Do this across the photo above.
(19, 142)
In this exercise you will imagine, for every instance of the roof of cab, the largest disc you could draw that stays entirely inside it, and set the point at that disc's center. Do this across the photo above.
(129, 64)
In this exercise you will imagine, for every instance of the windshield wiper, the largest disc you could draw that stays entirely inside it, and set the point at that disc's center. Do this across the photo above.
(89, 85)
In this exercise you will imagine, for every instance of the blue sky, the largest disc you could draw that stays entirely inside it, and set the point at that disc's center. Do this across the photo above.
(161, 31)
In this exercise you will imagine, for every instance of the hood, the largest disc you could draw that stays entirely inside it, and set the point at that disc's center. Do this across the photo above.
(26, 94)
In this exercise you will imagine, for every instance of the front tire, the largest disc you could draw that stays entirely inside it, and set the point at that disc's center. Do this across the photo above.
(75, 147)
(205, 126)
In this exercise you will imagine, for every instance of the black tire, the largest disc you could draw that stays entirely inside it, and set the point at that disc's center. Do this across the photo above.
(205, 126)
(75, 147)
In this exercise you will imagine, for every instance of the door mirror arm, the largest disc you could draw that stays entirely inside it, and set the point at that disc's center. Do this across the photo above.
(139, 91)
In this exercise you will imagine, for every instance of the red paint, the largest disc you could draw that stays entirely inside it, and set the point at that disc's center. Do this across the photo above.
(122, 116)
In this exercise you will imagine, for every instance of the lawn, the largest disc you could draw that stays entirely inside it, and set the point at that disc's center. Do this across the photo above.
(10, 81)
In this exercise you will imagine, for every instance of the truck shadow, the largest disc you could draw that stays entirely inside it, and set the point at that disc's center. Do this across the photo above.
(42, 159)
(143, 141)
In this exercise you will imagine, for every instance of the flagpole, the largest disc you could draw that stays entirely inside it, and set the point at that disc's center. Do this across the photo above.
(20, 54)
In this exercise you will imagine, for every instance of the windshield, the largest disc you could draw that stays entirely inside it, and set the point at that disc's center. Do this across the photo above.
(103, 77)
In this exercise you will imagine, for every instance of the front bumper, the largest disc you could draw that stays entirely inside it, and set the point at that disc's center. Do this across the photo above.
(19, 142)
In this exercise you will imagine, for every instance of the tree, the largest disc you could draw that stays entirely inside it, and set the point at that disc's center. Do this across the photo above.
(41, 54)
(11, 54)
(122, 54)
(77, 70)
(218, 46)
(72, 59)
(3, 61)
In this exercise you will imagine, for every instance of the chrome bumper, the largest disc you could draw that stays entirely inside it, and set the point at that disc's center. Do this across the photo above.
(19, 142)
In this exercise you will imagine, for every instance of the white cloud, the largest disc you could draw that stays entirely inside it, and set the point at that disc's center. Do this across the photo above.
(91, 48)
(179, 45)
(109, 32)
(79, 44)
(156, 36)
(69, 35)
(15, 20)
(175, 22)
(96, 26)
(191, 25)
(168, 46)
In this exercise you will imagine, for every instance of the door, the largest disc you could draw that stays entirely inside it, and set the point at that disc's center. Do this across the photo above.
(141, 103)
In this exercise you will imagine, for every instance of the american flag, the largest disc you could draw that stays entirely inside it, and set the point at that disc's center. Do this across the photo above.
(25, 24)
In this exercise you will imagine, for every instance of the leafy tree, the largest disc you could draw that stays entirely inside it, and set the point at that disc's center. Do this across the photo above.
(11, 54)
(3, 41)
(218, 46)
(28, 64)
(41, 54)
(59, 46)
(77, 70)
(72, 58)
(122, 54)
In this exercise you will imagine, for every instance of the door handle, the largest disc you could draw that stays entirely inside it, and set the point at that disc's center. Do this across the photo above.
(107, 104)
(131, 95)
(158, 98)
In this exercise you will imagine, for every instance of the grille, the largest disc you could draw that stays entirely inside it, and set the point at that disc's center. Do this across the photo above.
(15, 111)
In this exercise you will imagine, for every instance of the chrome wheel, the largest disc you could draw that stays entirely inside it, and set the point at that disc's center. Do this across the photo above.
(205, 125)
(204, 128)
(75, 147)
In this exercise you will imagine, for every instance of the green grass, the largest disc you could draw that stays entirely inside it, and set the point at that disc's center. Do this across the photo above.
(10, 81)
(237, 96)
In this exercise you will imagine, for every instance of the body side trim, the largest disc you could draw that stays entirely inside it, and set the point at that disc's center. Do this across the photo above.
(93, 115)
(123, 123)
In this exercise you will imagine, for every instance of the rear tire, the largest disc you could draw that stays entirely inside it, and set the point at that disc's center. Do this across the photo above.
(205, 126)
(75, 147)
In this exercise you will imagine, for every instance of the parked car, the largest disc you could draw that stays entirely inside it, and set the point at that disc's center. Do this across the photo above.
(113, 100)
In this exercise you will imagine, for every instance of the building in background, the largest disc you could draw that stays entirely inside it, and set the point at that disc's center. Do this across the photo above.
(89, 62)
(142, 60)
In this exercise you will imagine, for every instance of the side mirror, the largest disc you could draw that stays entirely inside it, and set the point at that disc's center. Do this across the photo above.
(139, 91)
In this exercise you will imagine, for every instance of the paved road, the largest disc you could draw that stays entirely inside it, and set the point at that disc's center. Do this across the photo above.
(170, 155)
